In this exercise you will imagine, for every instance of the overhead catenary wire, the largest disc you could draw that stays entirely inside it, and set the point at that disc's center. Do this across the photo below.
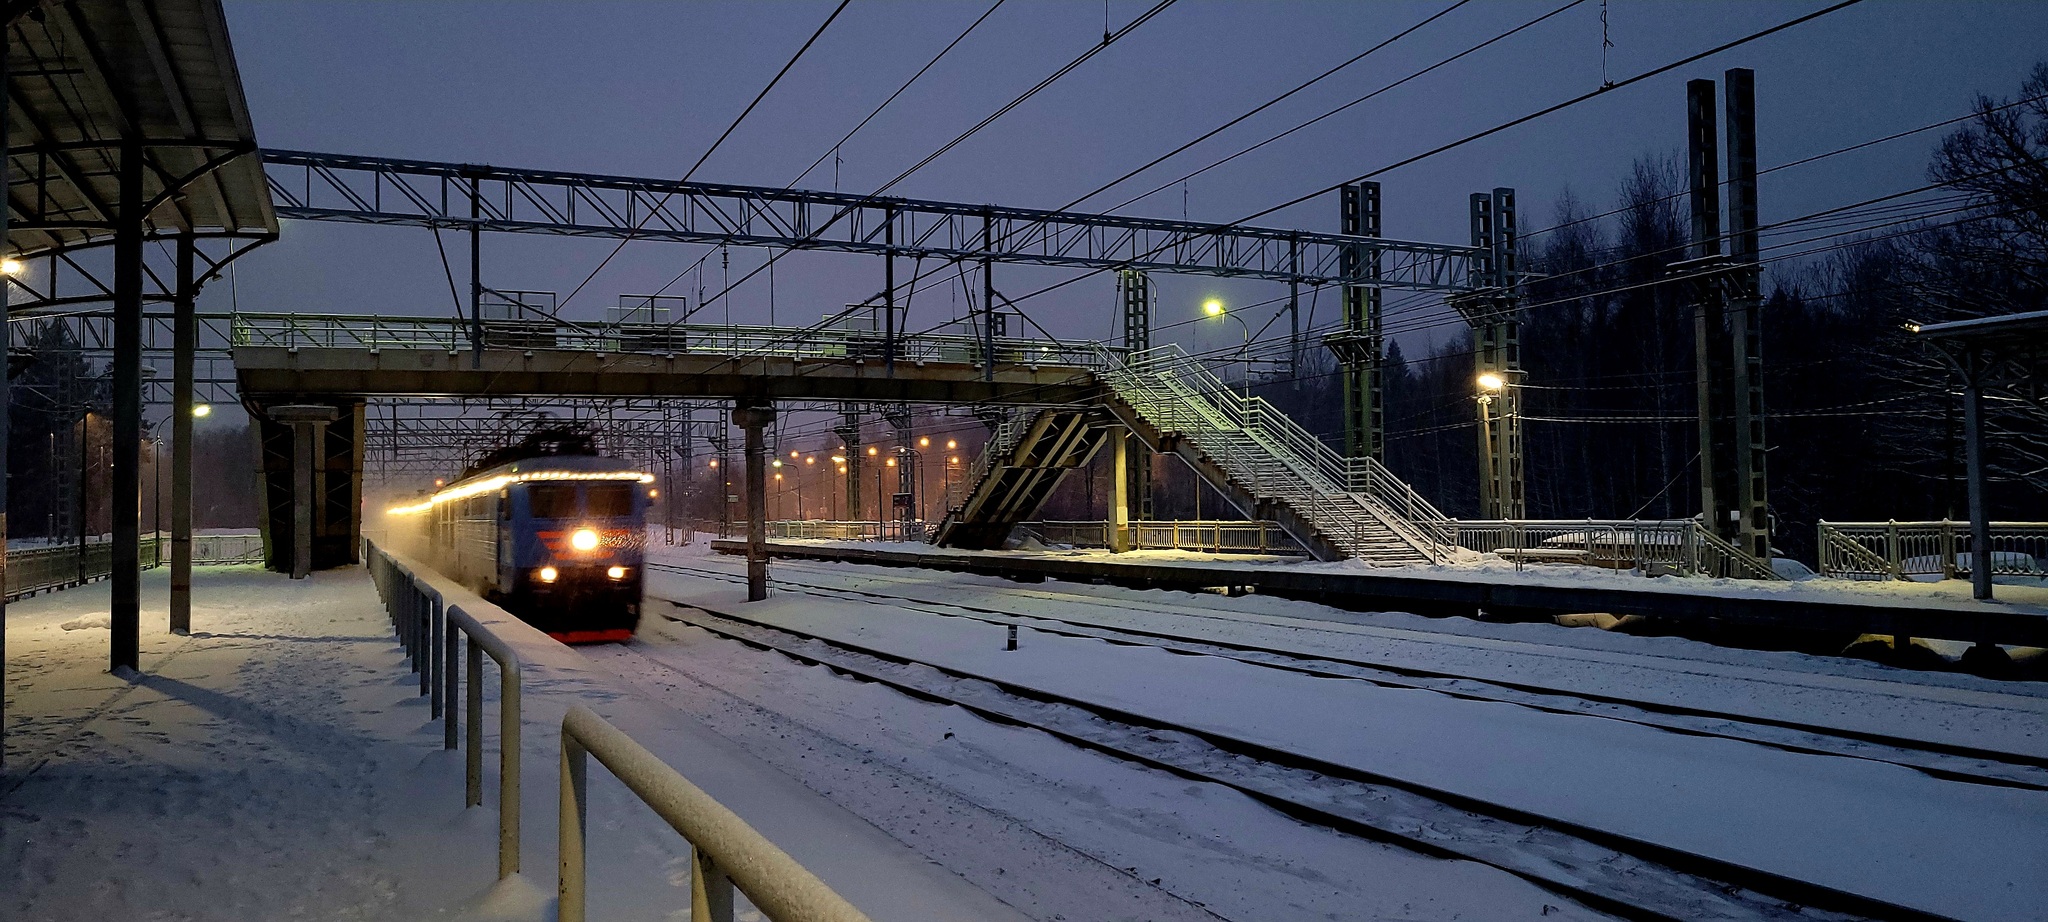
(729, 129)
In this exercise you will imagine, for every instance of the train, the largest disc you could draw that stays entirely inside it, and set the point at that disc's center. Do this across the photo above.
(559, 541)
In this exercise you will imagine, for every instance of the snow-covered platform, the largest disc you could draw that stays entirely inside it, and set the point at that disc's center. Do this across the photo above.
(1913, 609)
(279, 763)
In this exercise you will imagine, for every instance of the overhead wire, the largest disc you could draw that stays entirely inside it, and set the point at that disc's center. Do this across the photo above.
(729, 129)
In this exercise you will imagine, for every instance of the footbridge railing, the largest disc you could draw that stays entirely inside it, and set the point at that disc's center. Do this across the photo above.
(347, 331)
(1212, 536)
(61, 566)
(1902, 550)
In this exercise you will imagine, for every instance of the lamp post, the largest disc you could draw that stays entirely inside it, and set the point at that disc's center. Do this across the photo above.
(1214, 308)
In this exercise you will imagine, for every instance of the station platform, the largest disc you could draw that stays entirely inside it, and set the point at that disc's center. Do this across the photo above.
(1921, 610)
(279, 762)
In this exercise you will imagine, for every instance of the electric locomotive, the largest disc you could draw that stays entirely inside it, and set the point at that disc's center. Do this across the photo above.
(556, 540)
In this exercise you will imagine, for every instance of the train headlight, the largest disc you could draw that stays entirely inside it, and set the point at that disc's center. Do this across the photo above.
(616, 573)
(548, 574)
(583, 540)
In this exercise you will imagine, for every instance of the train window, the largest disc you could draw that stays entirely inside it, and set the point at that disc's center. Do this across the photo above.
(552, 500)
(608, 500)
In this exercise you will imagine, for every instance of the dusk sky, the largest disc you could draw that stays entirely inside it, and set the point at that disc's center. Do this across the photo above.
(643, 88)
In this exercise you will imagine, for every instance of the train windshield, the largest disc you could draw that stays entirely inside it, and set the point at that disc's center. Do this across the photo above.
(552, 500)
(608, 500)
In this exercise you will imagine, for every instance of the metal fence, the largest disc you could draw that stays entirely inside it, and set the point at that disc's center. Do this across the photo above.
(1902, 550)
(431, 632)
(727, 852)
(824, 530)
(1206, 535)
(62, 566)
(1647, 546)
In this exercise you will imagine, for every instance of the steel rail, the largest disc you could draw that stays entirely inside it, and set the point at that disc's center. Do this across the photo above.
(1563, 869)
(1186, 644)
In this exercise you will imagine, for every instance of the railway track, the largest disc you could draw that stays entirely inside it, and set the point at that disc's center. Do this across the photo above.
(1627, 877)
(1949, 762)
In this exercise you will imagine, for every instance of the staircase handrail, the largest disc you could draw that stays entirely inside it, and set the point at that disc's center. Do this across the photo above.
(1307, 457)
(1841, 553)
(1715, 556)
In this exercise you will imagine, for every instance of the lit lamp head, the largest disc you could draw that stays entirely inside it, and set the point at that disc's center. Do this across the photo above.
(1213, 307)
(201, 410)
(1491, 382)
(11, 266)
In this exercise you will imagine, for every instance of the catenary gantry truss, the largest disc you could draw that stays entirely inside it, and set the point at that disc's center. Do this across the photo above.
(382, 190)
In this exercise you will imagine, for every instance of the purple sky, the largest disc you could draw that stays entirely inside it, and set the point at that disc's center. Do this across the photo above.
(642, 88)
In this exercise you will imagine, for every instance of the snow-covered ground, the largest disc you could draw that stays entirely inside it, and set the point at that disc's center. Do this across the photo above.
(279, 764)
(1969, 850)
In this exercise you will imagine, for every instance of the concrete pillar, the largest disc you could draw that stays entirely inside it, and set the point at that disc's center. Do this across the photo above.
(755, 418)
(309, 431)
(1119, 490)
(185, 336)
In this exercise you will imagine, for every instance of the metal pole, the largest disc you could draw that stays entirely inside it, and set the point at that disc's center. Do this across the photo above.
(126, 608)
(1973, 445)
(185, 342)
(754, 419)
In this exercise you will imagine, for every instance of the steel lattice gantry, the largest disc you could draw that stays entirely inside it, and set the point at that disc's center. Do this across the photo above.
(125, 122)
(382, 190)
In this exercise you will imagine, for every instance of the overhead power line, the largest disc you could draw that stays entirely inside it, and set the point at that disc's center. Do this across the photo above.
(729, 129)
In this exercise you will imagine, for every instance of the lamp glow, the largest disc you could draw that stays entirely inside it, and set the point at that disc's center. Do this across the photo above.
(616, 573)
(1213, 307)
(201, 410)
(1491, 381)
(583, 539)
(548, 574)
(10, 266)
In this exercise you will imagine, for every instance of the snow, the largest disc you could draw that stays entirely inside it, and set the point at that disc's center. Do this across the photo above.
(279, 763)
(1967, 850)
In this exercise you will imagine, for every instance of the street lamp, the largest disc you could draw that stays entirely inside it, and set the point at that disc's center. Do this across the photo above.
(1491, 382)
(1214, 308)
(201, 410)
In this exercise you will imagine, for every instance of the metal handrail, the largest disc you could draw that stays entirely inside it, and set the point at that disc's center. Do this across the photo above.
(1281, 460)
(63, 566)
(1900, 550)
(427, 626)
(726, 850)
(1680, 544)
(373, 332)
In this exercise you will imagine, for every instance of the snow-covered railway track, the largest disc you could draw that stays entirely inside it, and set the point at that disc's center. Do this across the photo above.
(1947, 761)
(1612, 872)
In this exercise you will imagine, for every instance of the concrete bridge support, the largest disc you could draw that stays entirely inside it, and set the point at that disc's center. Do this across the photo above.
(311, 474)
(755, 418)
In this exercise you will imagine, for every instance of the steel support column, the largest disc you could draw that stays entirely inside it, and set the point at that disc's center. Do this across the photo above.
(1745, 334)
(1497, 357)
(1136, 480)
(1703, 178)
(6, 416)
(126, 492)
(185, 340)
(1973, 454)
(1359, 346)
(754, 419)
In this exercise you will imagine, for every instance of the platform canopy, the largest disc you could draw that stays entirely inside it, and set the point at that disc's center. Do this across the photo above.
(89, 80)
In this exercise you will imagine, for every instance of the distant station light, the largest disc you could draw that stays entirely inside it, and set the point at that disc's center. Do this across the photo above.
(950, 445)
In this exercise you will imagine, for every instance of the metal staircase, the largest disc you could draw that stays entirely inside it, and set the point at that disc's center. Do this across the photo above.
(1024, 461)
(1270, 467)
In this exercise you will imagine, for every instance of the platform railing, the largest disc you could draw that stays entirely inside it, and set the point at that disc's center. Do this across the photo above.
(727, 852)
(1643, 546)
(1224, 536)
(61, 566)
(838, 530)
(1901, 550)
(431, 632)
